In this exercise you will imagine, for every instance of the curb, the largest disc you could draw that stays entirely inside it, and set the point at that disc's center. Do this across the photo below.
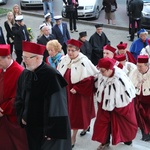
(80, 21)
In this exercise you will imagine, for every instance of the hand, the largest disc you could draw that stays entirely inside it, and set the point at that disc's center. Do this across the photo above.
(73, 91)
(22, 23)
(48, 138)
(23, 122)
(1, 112)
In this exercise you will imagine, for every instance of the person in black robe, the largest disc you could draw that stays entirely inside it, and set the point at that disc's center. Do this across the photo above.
(2, 39)
(41, 103)
(98, 40)
(86, 47)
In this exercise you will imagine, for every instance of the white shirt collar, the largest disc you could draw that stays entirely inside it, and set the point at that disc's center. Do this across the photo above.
(4, 70)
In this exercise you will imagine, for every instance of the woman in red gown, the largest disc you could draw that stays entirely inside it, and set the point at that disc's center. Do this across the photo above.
(79, 72)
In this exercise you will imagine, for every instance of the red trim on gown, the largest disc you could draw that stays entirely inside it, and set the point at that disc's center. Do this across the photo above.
(80, 105)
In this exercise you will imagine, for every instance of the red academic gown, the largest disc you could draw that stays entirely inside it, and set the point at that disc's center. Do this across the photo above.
(120, 123)
(142, 109)
(13, 137)
(80, 105)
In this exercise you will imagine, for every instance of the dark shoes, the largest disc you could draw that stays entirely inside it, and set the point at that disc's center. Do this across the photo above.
(73, 140)
(128, 143)
(84, 131)
(73, 30)
(131, 40)
(145, 137)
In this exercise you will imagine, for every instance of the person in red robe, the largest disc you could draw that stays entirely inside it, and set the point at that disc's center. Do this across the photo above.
(13, 137)
(141, 81)
(122, 50)
(116, 114)
(128, 67)
(110, 52)
(79, 72)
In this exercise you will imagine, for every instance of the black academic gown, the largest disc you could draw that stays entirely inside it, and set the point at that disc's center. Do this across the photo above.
(41, 102)
(2, 39)
(98, 42)
(86, 49)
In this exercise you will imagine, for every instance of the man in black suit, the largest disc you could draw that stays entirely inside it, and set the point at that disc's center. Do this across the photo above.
(60, 30)
(47, 36)
(20, 33)
(135, 14)
(2, 39)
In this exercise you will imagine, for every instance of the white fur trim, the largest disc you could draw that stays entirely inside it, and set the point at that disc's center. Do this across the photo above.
(141, 82)
(112, 96)
(128, 68)
(146, 51)
(81, 67)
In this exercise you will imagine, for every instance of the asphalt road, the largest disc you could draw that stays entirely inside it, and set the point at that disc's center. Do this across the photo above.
(121, 17)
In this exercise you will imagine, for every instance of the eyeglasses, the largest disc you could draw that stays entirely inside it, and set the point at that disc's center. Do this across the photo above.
(71, 50)
(27, 58)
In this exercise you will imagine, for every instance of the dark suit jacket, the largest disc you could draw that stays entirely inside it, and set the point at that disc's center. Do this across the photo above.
(19, 35)
(107, 5)
(2, 39)
(62, 38)
(135, 8)
(43, 41)
(9, 32)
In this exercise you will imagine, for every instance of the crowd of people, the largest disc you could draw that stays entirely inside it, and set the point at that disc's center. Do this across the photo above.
(47, 94)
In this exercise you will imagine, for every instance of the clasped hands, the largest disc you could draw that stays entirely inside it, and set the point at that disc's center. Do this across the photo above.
(73, 91)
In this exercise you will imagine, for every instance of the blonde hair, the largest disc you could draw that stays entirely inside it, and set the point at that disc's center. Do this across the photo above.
(19, 10)
(11, 13)
(55, 44)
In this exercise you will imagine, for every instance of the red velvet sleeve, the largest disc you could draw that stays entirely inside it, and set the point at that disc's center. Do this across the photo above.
(85, 87)
(8, 107)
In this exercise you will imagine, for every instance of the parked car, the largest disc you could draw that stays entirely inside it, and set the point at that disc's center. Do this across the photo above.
(145, 20)
(31, 3)
(3, 1)
(87, 9)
